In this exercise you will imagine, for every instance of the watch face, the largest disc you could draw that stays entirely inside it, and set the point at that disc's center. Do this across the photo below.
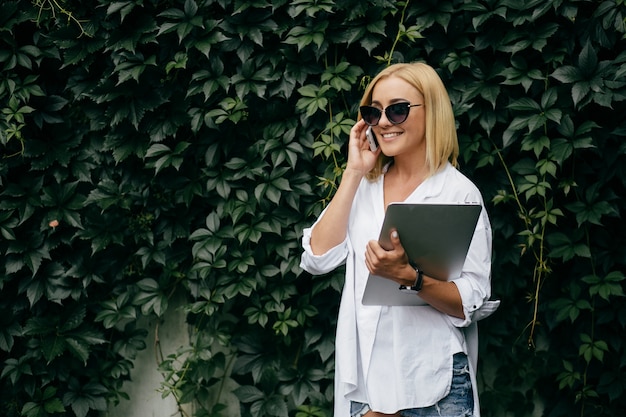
(408, 290)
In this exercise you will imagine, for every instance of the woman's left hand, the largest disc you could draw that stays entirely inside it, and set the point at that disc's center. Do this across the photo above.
(391, 263)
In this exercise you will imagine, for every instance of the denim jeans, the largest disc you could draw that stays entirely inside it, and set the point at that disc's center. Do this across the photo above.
(458, 403)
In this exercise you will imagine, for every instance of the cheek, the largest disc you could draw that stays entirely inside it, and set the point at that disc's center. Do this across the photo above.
(416, 129)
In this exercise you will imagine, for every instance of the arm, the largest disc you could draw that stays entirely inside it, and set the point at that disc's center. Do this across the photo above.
(394, 265)
(332, 228)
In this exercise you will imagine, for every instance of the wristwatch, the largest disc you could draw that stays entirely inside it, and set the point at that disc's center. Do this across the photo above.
(419, 280)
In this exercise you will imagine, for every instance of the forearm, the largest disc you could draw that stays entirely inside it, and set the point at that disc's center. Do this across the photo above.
(441, 295)
(332, 228)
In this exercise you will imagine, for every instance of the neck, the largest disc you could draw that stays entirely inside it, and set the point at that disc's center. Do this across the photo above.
(402, 179)
(409, 168)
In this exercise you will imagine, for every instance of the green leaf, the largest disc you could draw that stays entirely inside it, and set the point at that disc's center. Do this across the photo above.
(590, 349)
(54, 406)
(121, 7)
(591, 210)
(78, 349)
(52, 347)
(562, 246)
(117, 310)
(525, 104)
(7, 334)
(150, 298)
(310, 411)
(15, 369)
(607, 286)
(32, 409)
(569, 377)
(248, 394)
(313, 99)
(571, 307)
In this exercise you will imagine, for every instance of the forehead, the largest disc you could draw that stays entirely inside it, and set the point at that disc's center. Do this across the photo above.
(393, 89)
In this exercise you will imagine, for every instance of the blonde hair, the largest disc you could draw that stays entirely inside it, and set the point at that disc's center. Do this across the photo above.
(441, 140)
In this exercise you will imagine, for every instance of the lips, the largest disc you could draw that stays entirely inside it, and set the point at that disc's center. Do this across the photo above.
(391, 135)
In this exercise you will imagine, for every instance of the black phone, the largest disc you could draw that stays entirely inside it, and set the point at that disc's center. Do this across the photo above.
(371, 138)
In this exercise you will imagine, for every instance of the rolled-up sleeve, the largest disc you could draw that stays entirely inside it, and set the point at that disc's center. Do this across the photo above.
(474, 283)
(324, 263)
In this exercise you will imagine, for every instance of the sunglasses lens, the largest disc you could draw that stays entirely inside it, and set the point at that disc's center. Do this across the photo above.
(371, 115)
(397, 113)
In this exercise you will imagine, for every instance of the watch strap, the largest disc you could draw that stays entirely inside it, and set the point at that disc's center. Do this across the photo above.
(419, 280)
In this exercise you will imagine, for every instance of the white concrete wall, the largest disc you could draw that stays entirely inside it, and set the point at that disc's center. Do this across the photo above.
(145, 399)
(143, 388)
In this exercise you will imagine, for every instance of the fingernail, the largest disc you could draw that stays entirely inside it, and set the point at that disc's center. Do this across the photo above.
(394, 234)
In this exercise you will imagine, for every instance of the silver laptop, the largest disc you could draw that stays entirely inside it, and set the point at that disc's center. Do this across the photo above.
(435, 236)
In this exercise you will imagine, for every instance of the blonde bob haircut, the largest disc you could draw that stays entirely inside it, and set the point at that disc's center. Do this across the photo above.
(441, 140)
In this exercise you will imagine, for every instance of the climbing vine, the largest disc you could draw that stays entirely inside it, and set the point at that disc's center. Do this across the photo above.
(164, 156)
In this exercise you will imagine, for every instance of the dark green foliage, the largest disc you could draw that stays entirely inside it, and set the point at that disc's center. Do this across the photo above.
(158, 150)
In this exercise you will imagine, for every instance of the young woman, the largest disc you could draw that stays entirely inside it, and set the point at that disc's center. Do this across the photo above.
(398, 360)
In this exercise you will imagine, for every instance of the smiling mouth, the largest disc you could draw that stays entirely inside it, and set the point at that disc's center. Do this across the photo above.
(391, 135)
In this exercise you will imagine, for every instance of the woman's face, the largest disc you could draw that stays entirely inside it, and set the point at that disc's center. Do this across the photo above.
(408, 136)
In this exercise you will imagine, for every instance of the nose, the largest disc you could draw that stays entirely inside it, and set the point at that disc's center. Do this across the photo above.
(383, 119)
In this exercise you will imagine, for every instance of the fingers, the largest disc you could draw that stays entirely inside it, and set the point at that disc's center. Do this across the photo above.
(359, 127)
(357, 133)
(395, 238)
(360, 157)
(383, 262)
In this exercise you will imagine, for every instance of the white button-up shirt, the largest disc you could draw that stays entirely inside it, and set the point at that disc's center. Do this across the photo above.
(397, 357)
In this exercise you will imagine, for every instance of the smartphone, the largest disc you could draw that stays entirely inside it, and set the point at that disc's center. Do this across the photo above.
(371, 138)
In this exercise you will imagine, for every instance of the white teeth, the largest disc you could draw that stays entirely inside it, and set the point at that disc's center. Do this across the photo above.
(390, 135)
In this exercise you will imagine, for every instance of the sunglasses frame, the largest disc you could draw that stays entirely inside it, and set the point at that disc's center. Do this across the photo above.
(398, 105)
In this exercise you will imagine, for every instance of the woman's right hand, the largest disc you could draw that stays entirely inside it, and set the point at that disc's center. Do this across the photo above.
(360, 157)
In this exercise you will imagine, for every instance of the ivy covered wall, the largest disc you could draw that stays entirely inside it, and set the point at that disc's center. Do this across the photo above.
(153, 149)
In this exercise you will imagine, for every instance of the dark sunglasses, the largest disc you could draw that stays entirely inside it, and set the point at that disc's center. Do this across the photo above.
(396, 113)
